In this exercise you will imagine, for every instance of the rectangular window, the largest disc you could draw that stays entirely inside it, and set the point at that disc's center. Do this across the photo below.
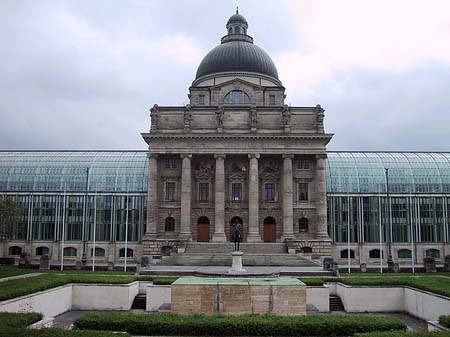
(236, 191)
(269, 191)
(201, 100)
(203, 191)
(170, 163)
(303, 191)
(303, 164)
(170, 191)
(271, 99)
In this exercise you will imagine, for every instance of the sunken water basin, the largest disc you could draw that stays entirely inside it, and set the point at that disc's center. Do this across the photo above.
(238, 296)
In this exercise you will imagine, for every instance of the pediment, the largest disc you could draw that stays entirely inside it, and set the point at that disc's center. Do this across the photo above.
(236, 83)
(236, 177)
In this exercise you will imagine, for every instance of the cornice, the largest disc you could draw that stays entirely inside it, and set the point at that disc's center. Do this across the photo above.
(224, 136)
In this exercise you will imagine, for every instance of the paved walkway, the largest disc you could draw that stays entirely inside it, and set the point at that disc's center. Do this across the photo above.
(19, 277)
(157, 269)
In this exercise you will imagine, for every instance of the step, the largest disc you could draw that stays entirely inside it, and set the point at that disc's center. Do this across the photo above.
(140, 302)
(228, 247)
(336, 303)
(204, 259)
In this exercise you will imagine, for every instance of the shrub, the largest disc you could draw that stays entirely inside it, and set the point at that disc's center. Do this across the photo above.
(404, 334)
(167, 280)
(58, 333)
(18, 320)
(445, 321)
(189, 325)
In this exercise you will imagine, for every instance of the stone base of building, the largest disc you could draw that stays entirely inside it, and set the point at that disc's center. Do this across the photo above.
(315, 249)
(162, 246)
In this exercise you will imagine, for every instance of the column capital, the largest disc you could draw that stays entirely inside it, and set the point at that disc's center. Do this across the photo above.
(219, 156)
(152, 155)
(254, 155)
(186, 155)
(288, 156)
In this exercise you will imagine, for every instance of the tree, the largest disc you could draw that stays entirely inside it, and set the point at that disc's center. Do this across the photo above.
(9, 217)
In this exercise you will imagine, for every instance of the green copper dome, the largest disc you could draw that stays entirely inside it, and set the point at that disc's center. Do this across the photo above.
(237, 53)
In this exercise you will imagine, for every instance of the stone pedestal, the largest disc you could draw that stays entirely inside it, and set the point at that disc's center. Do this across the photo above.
(236, 267)
(238, 296)
(44, 262)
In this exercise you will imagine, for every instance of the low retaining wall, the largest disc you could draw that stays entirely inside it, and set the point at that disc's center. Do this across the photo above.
(104, 296)
(419, 303)
(49, 303)
(74, 296)
(318, 297)
(158, 295)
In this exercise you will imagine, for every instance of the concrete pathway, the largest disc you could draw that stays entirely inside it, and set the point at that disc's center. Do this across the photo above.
(4, 279)
(174, 270)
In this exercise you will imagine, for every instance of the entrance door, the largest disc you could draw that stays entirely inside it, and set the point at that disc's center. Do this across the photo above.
(203, 229)
(270, 230)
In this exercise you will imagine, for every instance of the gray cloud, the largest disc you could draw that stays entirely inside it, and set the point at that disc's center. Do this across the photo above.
(82, 75)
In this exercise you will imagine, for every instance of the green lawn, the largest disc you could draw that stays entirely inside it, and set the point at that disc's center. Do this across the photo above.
(438, 283)
(7, 271)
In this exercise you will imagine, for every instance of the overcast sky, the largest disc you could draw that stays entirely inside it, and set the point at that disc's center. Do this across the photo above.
(83, 74)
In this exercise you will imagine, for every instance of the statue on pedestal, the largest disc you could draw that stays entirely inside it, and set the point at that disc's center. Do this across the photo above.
(237, 235)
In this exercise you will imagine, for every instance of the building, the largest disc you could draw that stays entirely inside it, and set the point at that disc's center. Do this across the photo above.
(235, 153)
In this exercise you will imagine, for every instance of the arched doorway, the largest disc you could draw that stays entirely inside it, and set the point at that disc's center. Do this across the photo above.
(203, 229)
(270, 229)
(232, 221)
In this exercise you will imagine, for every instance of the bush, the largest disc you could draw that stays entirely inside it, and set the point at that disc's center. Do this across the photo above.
(18, 320)
(58, 333)
(166, 280)
(195, 325)
(404, 334)
(445, 321)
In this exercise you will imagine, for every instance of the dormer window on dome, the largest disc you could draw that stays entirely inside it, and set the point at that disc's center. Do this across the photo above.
(236, 97)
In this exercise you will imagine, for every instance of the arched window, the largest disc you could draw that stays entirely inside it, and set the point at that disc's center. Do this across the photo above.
(243, 30)
(70, 251)
(230, 30)
(98, 252)
(236, 97)
(303, 225)
(374, 254)
(307, 250)
(169, 224)
(237, 30)
(15, 250)
(433, 253)
(129, 252)
(404, 254)
(344, 254)
(42, 250)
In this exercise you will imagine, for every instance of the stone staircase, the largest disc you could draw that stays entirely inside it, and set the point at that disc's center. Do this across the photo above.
(140, 302)
(219, 254)
(336, 303)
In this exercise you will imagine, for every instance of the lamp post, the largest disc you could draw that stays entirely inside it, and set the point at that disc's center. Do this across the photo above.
(83, 256)
(389, 259)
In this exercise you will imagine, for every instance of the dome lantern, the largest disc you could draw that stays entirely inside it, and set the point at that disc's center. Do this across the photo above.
(237, 24)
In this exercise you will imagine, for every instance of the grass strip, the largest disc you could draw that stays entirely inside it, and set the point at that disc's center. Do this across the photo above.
(18, 320)
(202, 325)
(8, 271)
(445, 321)
(52, 332)
(404, 334)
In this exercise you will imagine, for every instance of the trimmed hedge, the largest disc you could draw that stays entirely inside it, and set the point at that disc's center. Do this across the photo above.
(404, 334)
(202, 325)
(445, 321)
(58, 333)
(18, 320)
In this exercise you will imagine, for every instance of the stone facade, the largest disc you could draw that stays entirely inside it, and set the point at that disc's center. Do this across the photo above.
(237, 152)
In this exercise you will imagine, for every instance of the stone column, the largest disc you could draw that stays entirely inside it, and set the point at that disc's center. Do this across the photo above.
(219, 200)
(253, 200)
(288, 212)
(186, 194)
(321, 198)
(152, 197)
